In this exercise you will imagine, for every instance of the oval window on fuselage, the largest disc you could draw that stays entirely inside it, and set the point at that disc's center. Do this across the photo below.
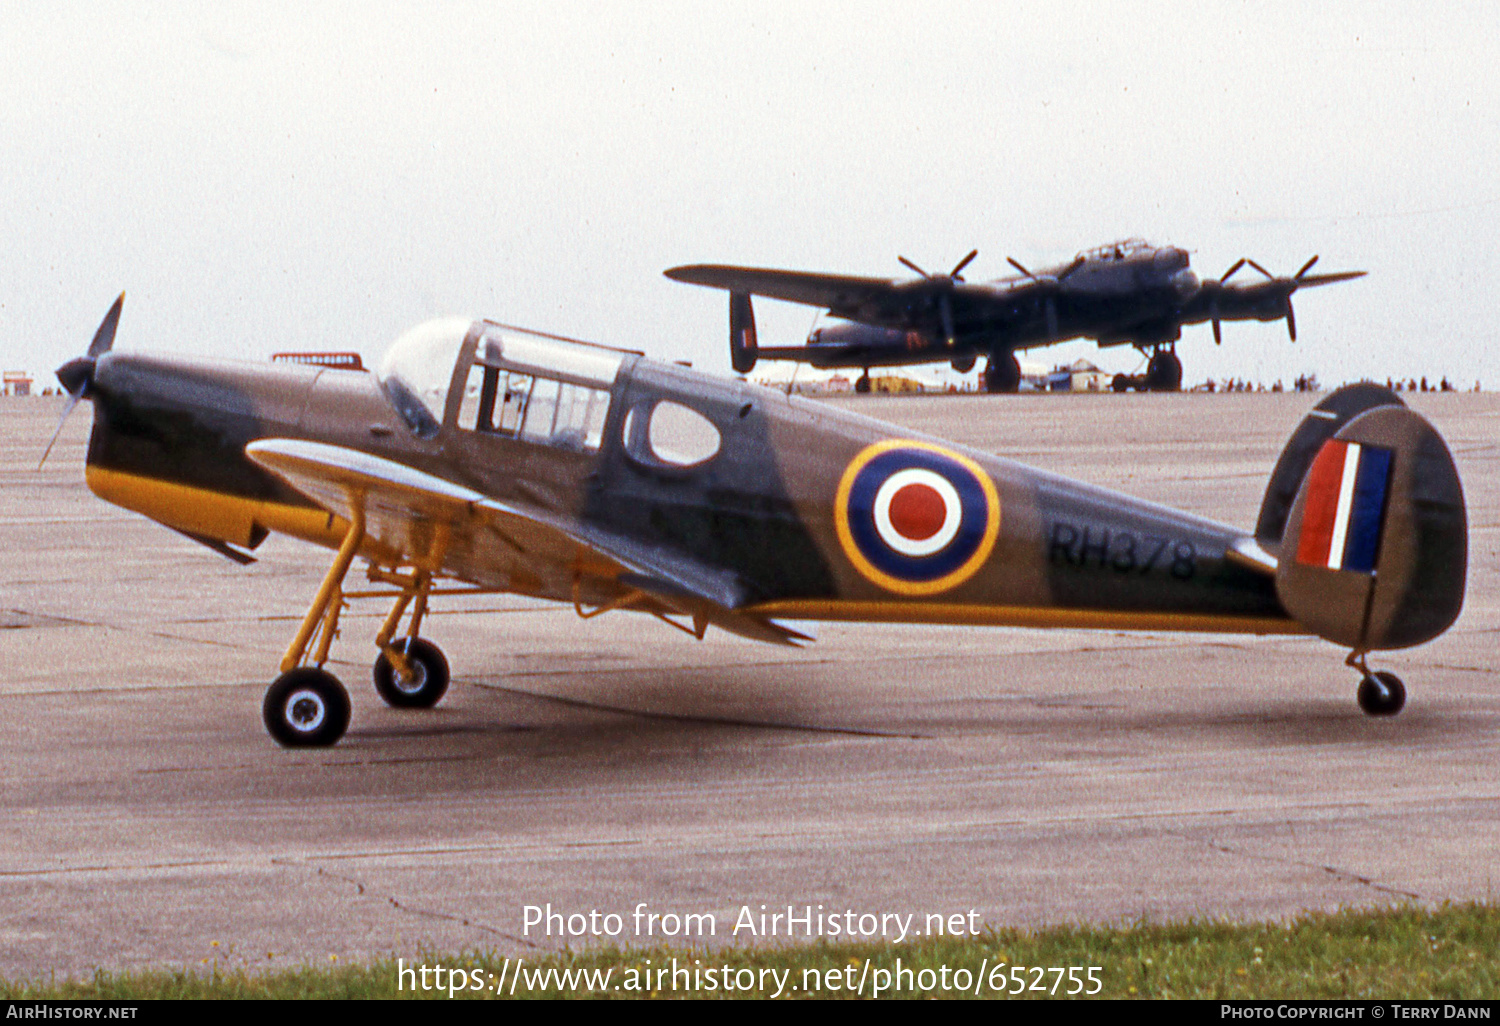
(672, 434)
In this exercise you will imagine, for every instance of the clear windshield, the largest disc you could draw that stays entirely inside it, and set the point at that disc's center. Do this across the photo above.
(418, 367)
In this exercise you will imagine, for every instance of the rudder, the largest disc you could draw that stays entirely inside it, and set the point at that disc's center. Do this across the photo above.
(742, 344)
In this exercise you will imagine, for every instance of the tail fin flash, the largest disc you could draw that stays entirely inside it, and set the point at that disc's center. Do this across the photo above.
(1375, 549)
(741, 333)
(1321, 424)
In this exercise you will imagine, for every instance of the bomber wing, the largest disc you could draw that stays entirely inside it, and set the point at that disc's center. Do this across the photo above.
(835, 291)
(448, 528)
(888, 302)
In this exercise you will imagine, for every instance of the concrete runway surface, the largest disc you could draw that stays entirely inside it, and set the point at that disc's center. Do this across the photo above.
(1034, 776)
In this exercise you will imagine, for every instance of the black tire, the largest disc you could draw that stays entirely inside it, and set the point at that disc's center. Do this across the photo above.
(862, 384)
(1121, 383)
(1002, 373)
(963, 364)
(1164, 372)
(1381, 694)
(306, 708)
(428, 682)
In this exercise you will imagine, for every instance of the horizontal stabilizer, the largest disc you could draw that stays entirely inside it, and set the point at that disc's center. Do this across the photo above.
(1375, 551)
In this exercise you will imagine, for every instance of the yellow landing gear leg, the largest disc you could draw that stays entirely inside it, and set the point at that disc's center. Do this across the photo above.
(411, 673)
(307, 706)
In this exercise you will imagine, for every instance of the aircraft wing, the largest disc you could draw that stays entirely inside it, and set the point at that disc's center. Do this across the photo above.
(834, 291)
(443, 526)
(887, 302)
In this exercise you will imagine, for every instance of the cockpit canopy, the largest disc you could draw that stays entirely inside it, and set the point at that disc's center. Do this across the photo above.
(521, 383)
(1121, 250)
(418, 367)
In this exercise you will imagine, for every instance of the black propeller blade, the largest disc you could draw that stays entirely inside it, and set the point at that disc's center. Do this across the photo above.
(953, 275)
(1297, 281)
(78, 373)
(1049, 308)
(1213, 306)
(944, 297)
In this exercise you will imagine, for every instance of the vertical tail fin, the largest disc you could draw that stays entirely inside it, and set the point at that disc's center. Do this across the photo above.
(1321, 424)
(741, 333)
(1375, 549)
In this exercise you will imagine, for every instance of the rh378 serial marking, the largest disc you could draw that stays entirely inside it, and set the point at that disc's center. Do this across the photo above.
(1121, 551)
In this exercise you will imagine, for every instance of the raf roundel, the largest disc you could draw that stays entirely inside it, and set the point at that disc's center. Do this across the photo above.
(916, 518)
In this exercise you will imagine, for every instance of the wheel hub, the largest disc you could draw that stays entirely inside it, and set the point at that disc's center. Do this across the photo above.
(305, 710)
(414, 682)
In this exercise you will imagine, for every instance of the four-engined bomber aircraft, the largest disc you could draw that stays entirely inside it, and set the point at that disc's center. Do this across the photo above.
(1125, 293)
(483, 457)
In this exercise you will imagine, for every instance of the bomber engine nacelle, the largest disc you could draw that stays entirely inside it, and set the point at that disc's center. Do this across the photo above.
(1374, 552)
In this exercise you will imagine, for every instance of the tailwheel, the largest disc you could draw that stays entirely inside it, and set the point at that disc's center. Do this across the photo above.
(1381, 693)
(306, 707)
(420, 684)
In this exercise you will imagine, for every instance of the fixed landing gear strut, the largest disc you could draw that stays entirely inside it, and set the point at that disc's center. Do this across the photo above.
(308, 707)
(1380, 692)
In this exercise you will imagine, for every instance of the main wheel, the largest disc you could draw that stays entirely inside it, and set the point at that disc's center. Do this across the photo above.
(427, 682)
(862, 383)
(1002, 373)
(1381, 694)
(1164, 372)
(306, 708)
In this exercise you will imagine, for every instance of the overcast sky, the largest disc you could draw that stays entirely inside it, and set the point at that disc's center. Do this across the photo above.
(314, 176)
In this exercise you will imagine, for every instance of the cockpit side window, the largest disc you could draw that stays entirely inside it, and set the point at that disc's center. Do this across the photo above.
(534, 408)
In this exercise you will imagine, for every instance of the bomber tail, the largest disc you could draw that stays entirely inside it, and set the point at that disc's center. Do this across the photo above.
(1367, 512)
(742, 346)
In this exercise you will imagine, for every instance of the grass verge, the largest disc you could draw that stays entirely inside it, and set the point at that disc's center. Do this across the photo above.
(1407, 952)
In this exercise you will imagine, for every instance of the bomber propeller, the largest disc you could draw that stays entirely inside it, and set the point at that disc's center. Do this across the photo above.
(1286, 286)
(78, 373)
(944, 283)
(1055, 280)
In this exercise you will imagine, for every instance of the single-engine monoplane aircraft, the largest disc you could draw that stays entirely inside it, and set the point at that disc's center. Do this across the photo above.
(1125, 293)
(486, 457)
